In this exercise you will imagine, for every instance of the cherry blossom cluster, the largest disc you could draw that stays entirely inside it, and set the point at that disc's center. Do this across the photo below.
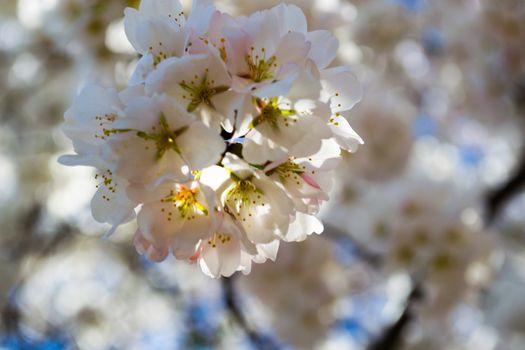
(428, 230)
(225, 140)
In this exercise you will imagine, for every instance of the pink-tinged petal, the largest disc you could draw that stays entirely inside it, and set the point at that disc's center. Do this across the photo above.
(141, 244)
(184, 248)
(195, 257)
(237, 46)
(147, 248)
(310, 181)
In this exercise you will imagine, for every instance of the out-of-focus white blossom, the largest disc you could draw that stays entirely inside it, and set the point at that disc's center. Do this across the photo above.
(304, 320)
(424, 228)
(92, 290)
(79, 27)
(386, 127)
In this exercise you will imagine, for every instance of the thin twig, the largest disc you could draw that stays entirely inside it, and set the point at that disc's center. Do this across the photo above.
(259, 341)
(392, 337)
(362, 252)
(497, 199)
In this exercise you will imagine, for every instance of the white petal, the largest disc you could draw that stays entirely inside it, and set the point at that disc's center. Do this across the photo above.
(200, 16)
(145, 247)
(170, 9)
(159, 38)
(132, 18)
(169, 75)
(314, 131)
(214, 176)
(210, 262)
(230, 257)
(144, 67)
(141, 113)
(200, 146)
(245, 265)
(327, 158)
(258, 149)
(112, 207)
(323, 47)
(72, 160)
(263, 29)
(131, 93)
(269, 250)
(345, 136)
(272, 89)
(183, 248)
(302, 226)
(139, 164)
(341, 88)
(290, 18)
(154, 223)
(293, 48)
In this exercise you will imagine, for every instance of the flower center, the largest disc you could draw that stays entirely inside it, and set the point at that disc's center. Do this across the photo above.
(288, 171)
(185, 202)
(442, 262)
(163, 136)
(272, 114)
(242, 196)
(260, 68)
(200, 91)
(103, 122)
(405, 255)
(219, 238)
(106, 180)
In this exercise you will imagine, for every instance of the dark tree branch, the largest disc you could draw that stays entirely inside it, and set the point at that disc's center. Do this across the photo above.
(259, 341)
(500, 196)
(497, 198)
(392, 337)
(333, 232)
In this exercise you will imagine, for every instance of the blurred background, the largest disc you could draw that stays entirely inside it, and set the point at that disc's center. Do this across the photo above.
(424, 245)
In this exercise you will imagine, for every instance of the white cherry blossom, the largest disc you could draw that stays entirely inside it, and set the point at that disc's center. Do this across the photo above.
(280, 124)
(227, 249)
(94, 110)
(176, 217)
(260, 206)
(307, 181)
(200, 83)
(264, 54)
(226, 139)
(159, 140)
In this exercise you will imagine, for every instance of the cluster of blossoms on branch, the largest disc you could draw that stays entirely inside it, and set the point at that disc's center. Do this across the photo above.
(428, 230)
(225, 140)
